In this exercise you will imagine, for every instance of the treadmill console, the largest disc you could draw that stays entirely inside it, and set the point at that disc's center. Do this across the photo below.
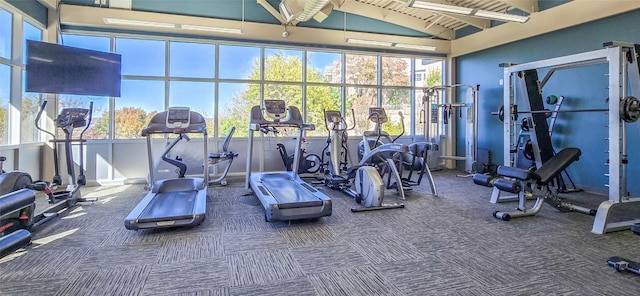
(72, 117)
(382, 115)
(275, 109)
(178, 117)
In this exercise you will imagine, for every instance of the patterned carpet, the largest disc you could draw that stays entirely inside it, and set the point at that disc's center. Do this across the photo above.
(446, 245)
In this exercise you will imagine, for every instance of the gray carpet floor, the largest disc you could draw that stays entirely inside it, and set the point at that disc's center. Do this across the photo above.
(445, 245)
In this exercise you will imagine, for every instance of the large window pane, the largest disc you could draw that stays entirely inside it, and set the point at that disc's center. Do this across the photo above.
(360, 99)
(361, 69)
(283, 65)
(395, 101)
(235, 101)
(239, 62)
(198, 96)
(427, 73)
(141, 57)
(396, 71)
(5, 90)
(99, 126)
(29, 32)
(98, 43)
(29, 106)
(140, 100)
(319, 99)
(324, 67)
(6, 27)
(192, 60)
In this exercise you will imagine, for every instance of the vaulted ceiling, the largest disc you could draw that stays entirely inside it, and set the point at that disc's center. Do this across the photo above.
(337, 20)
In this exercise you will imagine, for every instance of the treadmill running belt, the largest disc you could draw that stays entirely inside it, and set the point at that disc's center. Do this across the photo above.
(169, 206)
(288, 192)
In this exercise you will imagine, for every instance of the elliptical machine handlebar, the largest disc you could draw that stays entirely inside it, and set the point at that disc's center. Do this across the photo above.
(81, 177)
(57, 179)
(342, 122)
(42, 106)
(402, 124)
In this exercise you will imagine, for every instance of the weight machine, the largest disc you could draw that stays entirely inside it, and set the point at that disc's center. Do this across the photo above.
(436, 107)
(624, 79)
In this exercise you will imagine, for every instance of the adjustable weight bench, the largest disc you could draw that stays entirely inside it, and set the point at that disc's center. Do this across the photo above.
(528, 183)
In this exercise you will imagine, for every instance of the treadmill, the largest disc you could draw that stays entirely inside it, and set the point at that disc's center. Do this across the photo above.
(178, 201)
(283, 194)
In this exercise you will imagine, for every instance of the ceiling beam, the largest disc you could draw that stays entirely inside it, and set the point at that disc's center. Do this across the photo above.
(93, 17)
(374, 12)
(528, 6)
(563, 16)
(272, 11)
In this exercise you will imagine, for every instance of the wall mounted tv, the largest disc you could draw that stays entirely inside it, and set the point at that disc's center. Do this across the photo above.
(59, 69)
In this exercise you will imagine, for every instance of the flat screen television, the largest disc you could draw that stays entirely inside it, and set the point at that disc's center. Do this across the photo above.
(60, 69)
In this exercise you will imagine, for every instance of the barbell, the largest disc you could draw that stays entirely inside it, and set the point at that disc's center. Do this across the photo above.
(629, 110)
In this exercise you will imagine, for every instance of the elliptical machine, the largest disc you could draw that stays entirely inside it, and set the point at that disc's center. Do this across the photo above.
(369, 187)
(17, 207)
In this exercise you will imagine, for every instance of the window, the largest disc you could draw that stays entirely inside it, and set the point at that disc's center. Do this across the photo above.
(396, 101)
(5, 90)
(431, 73)
(6, 29)
(97, 43)
(360, 99)
(30, 101)
(99, 128)
(141, 57)
(99, 125)
(189, 59)
(396, 71)
(319, 99)
(198, 96)
(324, 67)
(361, 69)
(283, 65)
(139, 101)
(239, 62)
(235, 101)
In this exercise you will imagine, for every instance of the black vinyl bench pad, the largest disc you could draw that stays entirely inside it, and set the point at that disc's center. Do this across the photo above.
(547, 171)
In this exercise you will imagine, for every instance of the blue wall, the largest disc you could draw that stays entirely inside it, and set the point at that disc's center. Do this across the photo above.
(582, 88)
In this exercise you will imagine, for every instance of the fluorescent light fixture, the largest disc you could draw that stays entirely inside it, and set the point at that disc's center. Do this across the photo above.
(501, 16)
(115, 21)
(212, 29)
(415, 46)
(507, 17)
(439, 7)
(368, 42)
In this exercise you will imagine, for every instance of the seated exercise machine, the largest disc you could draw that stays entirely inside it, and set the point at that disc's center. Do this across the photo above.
(283, 194)
(226, 156)
(177, 201)
(309, 163)
(622, 264)
(377, 137)
(369, 186)
(535, 183)
(18, 217)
